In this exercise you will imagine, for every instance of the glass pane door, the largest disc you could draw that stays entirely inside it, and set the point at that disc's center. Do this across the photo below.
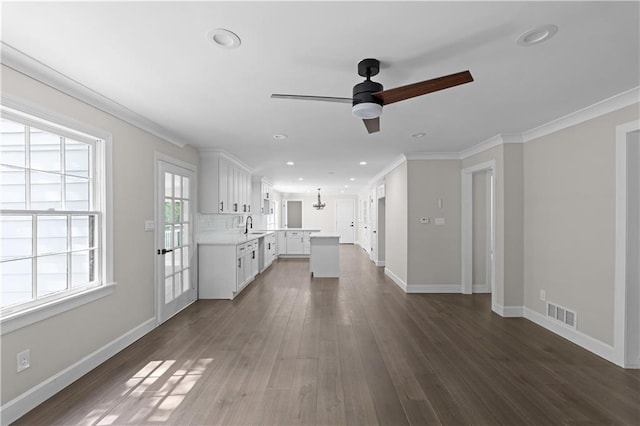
(175, 239)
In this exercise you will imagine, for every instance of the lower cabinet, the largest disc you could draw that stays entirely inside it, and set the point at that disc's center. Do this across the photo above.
(295, 243)
(281, 248)
(270, 250)
(224, 270)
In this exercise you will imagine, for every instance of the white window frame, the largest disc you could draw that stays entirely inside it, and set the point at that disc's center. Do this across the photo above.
(22, 315)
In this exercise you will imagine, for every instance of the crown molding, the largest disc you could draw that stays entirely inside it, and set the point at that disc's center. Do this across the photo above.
(381, 174)
(216, 152)
(492, 142)
(433, 156)
(598, 109)
(31, 67)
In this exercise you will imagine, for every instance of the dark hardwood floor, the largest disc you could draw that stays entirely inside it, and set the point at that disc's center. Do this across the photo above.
(295, 350)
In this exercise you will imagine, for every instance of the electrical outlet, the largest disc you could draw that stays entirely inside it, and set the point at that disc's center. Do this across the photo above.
(424, 220)
(24, 360)
(543, 295)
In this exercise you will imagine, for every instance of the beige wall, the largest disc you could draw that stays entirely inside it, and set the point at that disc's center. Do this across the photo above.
(396, 221)
(513, 222)
(433, 250)
(60, 341)
(569, 200)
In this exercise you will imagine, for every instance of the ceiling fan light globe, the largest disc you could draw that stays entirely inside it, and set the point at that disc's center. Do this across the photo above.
(367, 110)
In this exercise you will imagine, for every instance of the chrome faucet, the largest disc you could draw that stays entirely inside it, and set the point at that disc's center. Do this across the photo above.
(246, 225)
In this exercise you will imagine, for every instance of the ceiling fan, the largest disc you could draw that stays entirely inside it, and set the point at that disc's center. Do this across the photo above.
(369, 96)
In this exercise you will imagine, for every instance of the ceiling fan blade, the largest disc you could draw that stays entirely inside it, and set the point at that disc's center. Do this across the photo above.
(422, 88)
(313, 98)
(372, 124)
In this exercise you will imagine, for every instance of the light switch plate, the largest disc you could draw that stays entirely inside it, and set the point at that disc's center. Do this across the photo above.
(440, 221)
(149, 225)
(424, 220)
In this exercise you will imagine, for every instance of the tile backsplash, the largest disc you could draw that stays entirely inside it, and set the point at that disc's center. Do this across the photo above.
(219, 222)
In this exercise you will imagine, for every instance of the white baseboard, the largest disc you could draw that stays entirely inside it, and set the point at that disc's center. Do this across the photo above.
(434, 288)
(396, 279)
(587, 342)
(35, 396)
(508, 311)
(480, 288)
(421, 288)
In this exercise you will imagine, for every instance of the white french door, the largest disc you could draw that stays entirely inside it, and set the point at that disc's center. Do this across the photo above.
(175, 277)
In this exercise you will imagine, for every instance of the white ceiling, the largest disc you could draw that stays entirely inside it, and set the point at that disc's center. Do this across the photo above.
(153, 58)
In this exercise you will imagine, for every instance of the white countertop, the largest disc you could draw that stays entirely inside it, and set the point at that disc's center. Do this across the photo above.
(324, 235)
(296, 229)
(229, 238)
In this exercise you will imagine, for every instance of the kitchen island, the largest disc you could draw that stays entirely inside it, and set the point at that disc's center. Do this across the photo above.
(325, 254)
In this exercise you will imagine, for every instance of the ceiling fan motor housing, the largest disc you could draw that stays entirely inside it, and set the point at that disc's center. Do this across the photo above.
(363, 92)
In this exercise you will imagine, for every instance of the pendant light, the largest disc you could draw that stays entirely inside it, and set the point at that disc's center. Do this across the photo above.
(320, 204)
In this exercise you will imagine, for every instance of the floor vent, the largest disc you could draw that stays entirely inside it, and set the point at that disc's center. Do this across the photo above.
(561, 314)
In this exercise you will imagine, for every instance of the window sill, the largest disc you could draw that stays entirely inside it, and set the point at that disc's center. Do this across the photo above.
(39, 313)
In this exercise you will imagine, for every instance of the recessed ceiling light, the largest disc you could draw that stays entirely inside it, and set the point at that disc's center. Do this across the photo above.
(342, 191)
(300, 179)
(537, 35)
(290, 163)
(352, 179)
(346, 186)
(279, 136)
(223, 38)
(418, 135)
(363, 163)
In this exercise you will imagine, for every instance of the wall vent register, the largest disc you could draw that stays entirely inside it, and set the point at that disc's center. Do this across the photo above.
(561, 314)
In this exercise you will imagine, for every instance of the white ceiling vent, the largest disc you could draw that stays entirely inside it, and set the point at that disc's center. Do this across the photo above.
(561, 314)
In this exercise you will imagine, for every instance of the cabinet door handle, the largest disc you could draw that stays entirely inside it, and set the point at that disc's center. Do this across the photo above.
(253, 254)
(269, 246)
(240, 263)
(221, 206)
(235, 207)
(249, 206)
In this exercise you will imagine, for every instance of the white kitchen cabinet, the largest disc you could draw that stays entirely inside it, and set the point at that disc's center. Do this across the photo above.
(262, 195)
(254, 258)
(225, 185)
(225, 270)
(269, 250)
(295, 242)
(306, 242)
(282, 243)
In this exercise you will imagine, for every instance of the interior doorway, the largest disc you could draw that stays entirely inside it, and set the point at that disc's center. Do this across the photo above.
(478, 229)
(482, 220)
(381, 232)
(626, 337)
(293, 214)
(632, 357)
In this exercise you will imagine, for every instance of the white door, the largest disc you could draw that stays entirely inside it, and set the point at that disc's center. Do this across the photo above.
(345, 221)
(174, 216)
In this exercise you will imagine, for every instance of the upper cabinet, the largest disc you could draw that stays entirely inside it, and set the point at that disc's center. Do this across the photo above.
(225, 184)
(262, 195)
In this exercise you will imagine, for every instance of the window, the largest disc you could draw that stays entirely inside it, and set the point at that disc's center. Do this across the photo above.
(52, 203)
